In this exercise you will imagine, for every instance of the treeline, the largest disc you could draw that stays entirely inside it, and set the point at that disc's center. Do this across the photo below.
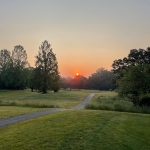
(130, 75)
(102, 79)
(16, 73)
(133, 76)
(13, 68)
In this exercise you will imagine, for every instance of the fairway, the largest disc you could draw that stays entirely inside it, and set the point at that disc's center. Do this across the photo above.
(62, 99)
(80, 130)
(71, 129)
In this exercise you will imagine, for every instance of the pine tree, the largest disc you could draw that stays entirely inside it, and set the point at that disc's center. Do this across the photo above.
(47, 65)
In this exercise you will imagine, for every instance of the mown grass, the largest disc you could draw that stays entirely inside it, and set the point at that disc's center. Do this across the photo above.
(79, 130)
(10, 111)
(64, 99)
(107, 100)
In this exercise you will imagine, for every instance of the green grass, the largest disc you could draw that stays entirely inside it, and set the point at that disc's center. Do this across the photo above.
(64, 99)
(10, 111)
(107, 100)
(79, 130)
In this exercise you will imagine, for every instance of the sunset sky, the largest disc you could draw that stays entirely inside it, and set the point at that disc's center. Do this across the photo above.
(85, 34)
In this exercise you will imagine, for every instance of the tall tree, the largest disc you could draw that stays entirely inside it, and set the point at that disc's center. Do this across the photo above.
(12, 68)
(19, 59)
(47, 65)
(5, 61)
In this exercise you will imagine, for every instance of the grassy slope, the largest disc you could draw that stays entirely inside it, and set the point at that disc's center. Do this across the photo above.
(80, 130)
(63, 99)
(9, 111)
(106, 100)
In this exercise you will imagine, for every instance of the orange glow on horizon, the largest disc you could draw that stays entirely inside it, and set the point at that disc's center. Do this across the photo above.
(83, 70)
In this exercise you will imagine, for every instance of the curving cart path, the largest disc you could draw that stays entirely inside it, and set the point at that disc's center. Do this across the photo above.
(28, 116)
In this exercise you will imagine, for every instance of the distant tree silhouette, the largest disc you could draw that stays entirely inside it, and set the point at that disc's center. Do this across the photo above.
(79, 82)
(102, 79)
(47, 69)
(65, 83)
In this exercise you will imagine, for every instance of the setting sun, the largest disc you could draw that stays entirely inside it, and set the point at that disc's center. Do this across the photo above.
(77, 74)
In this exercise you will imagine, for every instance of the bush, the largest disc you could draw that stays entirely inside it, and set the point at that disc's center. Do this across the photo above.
(122, 105)
(134, 83)
(144, 100)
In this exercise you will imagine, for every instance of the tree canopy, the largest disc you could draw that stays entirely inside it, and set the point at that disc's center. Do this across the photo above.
(46, 70)
(12, 68)
(16, 73)
(135, 57)
(133, 73)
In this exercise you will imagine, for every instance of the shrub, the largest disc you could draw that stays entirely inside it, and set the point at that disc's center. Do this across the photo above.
(134, 83)
(144, 100)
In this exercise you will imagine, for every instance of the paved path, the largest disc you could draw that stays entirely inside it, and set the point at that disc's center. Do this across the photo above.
(84, 103)
(28, 116)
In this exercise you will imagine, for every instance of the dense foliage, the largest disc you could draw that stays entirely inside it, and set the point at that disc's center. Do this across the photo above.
(134, 58)
(12, 68)
(15, 72)
(133, 74)
(46, 72)
(102, 79)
